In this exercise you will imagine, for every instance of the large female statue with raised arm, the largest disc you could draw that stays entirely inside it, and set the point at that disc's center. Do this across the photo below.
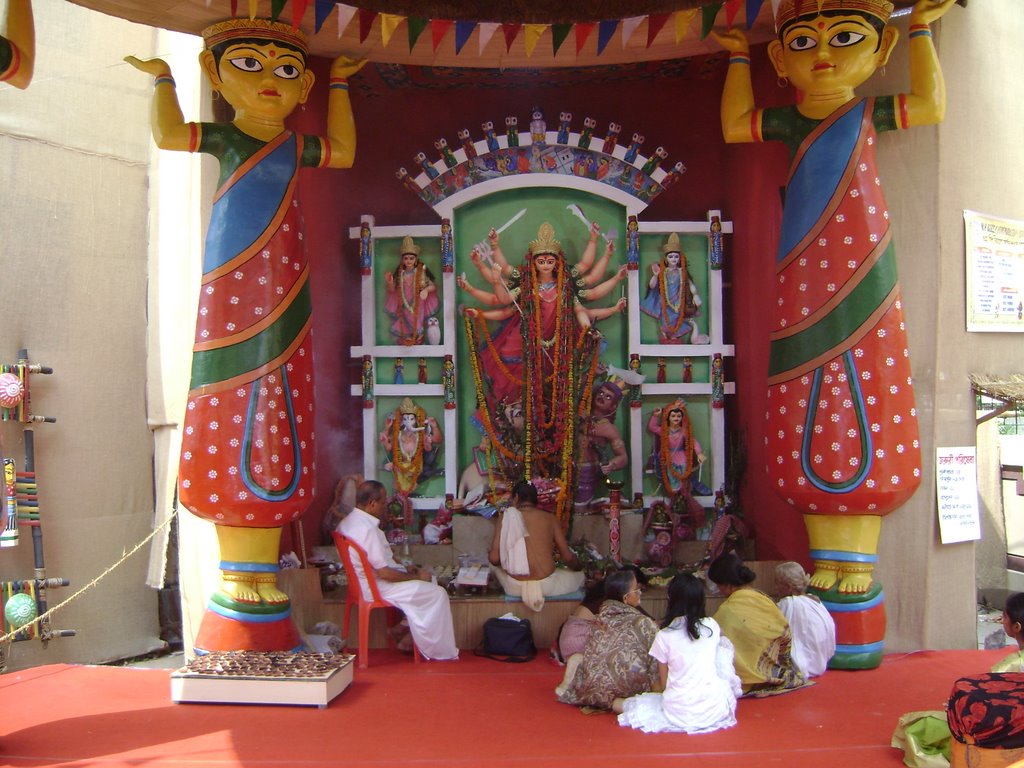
(842, 427)
(544, 354)
(18, 44)
(247, 461)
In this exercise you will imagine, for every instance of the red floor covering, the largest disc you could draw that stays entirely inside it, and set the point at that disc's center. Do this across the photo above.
(473, 712)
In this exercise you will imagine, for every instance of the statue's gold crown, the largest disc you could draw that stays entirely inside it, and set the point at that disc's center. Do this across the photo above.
(545, 242)
(672, 245)
(791, 9)
(409, 246)
(260, 29)
(408, 406)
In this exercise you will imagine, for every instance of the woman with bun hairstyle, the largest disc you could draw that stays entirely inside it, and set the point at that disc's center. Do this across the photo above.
(759, 632)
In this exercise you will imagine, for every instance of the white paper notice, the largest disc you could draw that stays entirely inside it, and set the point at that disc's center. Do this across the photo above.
(956, 487)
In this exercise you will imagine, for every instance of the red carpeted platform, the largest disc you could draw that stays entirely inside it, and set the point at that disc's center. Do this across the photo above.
(472, 712)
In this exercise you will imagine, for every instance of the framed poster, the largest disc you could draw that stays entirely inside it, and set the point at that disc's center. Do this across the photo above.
(995, 272)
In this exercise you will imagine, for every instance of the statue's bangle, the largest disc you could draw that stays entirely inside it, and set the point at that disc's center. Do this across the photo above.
(739, 58)
(339, 84)
(920, 30)
(163, 79)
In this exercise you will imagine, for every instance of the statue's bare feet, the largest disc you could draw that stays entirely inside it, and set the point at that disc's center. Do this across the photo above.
(269, 592)
(855, 583)
(240, 588)
(823, 578)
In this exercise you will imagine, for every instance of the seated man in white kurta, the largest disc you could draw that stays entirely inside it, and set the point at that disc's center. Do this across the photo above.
(525, 539)
(424, 603)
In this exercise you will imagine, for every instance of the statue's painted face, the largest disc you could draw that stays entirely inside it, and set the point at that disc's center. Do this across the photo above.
(824, 53)
(409, 260)
(604, 401)
(675, 418)
(408, 421)
(265, 80)
(545, 265)
(672, 259)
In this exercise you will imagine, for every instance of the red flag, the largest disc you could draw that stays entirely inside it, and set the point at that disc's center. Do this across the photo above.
(583, 30)
(732, 7)
(298, 11)
(654, 24)
(510, 31)
(438, 28)
(365, 23)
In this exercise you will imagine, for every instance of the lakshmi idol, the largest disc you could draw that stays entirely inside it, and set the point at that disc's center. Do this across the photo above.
(247, 459)
(841, 430)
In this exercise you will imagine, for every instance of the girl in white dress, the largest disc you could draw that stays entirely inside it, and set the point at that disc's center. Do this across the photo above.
(696, 665)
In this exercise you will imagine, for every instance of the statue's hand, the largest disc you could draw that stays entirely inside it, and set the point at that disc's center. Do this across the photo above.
(733, 40)
(621, 304)
(623, 271)
(493, 237)
(423, 294)
(471, 311)
(610, 247)
(927, 11)
(595, 230)
(656, 269)
(344, 66)
(154, 67)
(389, 279)
(461, 282)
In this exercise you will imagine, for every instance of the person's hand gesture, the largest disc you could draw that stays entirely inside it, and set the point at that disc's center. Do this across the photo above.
(734, 40)
(927, 11)
(344, 67)
(154, 67)
(656, 268)
(389, 280)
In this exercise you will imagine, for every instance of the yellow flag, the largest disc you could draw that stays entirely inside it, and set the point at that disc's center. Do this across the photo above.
(532, 33)
(253, 8)
(683, 19)
(388, 24)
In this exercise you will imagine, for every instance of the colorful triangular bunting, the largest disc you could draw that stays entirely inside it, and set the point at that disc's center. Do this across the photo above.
(605, 32)
(487, 30)
(558, 34)
(298, 11)
(532, 33)
(629, 27)
(510, 31)
(365, 23)
(345, 15)
(416, 26)
(654, 24)
(753, 11)
(253, 8)
(583, 30)
(321, 10)
(276, 6)
(438, 28)
(683, 21)
(388, 24)
(463, 31)
(732, 7)
(708, 14)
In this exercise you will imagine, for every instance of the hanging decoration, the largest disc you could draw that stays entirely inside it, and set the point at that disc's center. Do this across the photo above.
(532, 32)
